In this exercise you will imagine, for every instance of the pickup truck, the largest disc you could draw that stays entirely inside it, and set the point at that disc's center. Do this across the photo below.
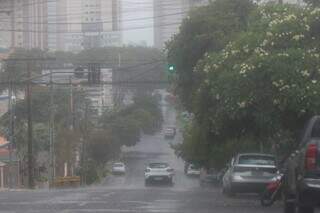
(302, 172)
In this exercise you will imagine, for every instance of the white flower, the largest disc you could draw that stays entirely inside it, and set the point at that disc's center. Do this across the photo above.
(298, 37)
(218, 97)
(305, 73)
(269, 34)
(242, 104)
(307, 27)
(314, 81)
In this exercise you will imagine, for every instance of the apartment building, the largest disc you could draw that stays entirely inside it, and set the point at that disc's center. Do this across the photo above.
(66, 25)
(91, 24)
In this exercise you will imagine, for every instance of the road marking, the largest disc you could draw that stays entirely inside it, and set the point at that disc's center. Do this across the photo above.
(108, 194)
(136, 202)
(167, 201)
(99, 210)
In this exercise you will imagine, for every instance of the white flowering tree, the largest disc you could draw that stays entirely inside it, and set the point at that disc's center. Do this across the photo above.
(262, 86)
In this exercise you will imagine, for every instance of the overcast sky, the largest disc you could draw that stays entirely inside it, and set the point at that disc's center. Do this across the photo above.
(142, 12)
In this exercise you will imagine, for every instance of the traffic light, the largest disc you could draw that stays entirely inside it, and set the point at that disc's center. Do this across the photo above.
(171, 69)
(94, 73)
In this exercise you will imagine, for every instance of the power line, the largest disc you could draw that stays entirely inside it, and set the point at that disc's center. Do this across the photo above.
(98, 22)
(102, 31)
(132, 9)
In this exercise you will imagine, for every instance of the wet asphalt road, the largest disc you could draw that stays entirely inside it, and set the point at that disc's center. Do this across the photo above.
(128, 194)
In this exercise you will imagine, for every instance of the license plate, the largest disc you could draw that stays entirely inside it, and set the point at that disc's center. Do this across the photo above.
(158, 178)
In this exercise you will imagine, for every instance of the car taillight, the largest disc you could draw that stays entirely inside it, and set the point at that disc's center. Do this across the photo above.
(147, 170)
(169, 170)
(311, 157)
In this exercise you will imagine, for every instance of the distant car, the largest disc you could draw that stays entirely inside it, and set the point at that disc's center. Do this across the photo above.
(209, 177)
(193, 170)
(158, 172)
(170, 132)
(118, 168)
(249, 173)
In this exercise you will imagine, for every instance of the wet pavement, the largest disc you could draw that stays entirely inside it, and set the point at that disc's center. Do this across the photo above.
(128, 193)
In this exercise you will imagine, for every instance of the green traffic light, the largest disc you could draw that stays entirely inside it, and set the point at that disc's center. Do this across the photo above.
(171, 68)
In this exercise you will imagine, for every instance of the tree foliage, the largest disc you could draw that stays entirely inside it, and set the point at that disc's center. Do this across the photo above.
(261, 88)
(207, 28)
(315, 3)
(127, 124)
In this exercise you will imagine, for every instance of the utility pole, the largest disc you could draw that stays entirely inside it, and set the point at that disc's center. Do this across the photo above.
(13, 25)
(30, 145)
(10, 109)
(119, 60)
(71, 105)
(51, 134)
(84, 141)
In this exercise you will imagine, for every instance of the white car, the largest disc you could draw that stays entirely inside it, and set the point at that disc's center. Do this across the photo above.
(193, 170)
(156, 172)
(169, 132)
(118, 168)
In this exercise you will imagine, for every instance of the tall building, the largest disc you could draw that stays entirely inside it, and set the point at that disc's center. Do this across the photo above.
(168, 15)
(91, 23)
(34, 18)
(5, 17)
(23, 24)
(66, 25)
(12, 32)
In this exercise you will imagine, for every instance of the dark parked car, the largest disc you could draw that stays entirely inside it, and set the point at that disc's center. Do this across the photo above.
(302, 172)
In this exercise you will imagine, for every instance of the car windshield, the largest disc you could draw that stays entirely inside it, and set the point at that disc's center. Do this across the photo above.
(158, 165)
(118, 165)
(257, 160)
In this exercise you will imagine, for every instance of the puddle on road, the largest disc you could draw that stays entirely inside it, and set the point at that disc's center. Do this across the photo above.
(162, 206)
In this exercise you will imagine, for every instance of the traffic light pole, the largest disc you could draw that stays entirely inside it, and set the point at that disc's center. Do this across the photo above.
(30, 137)
(51, 134)
(10, 109)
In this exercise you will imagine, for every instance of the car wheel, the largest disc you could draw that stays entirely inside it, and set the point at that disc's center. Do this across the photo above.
(305, 209)
(289, 207)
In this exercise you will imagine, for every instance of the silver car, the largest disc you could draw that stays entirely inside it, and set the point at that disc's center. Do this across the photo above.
(249, 173)
(118, 168)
